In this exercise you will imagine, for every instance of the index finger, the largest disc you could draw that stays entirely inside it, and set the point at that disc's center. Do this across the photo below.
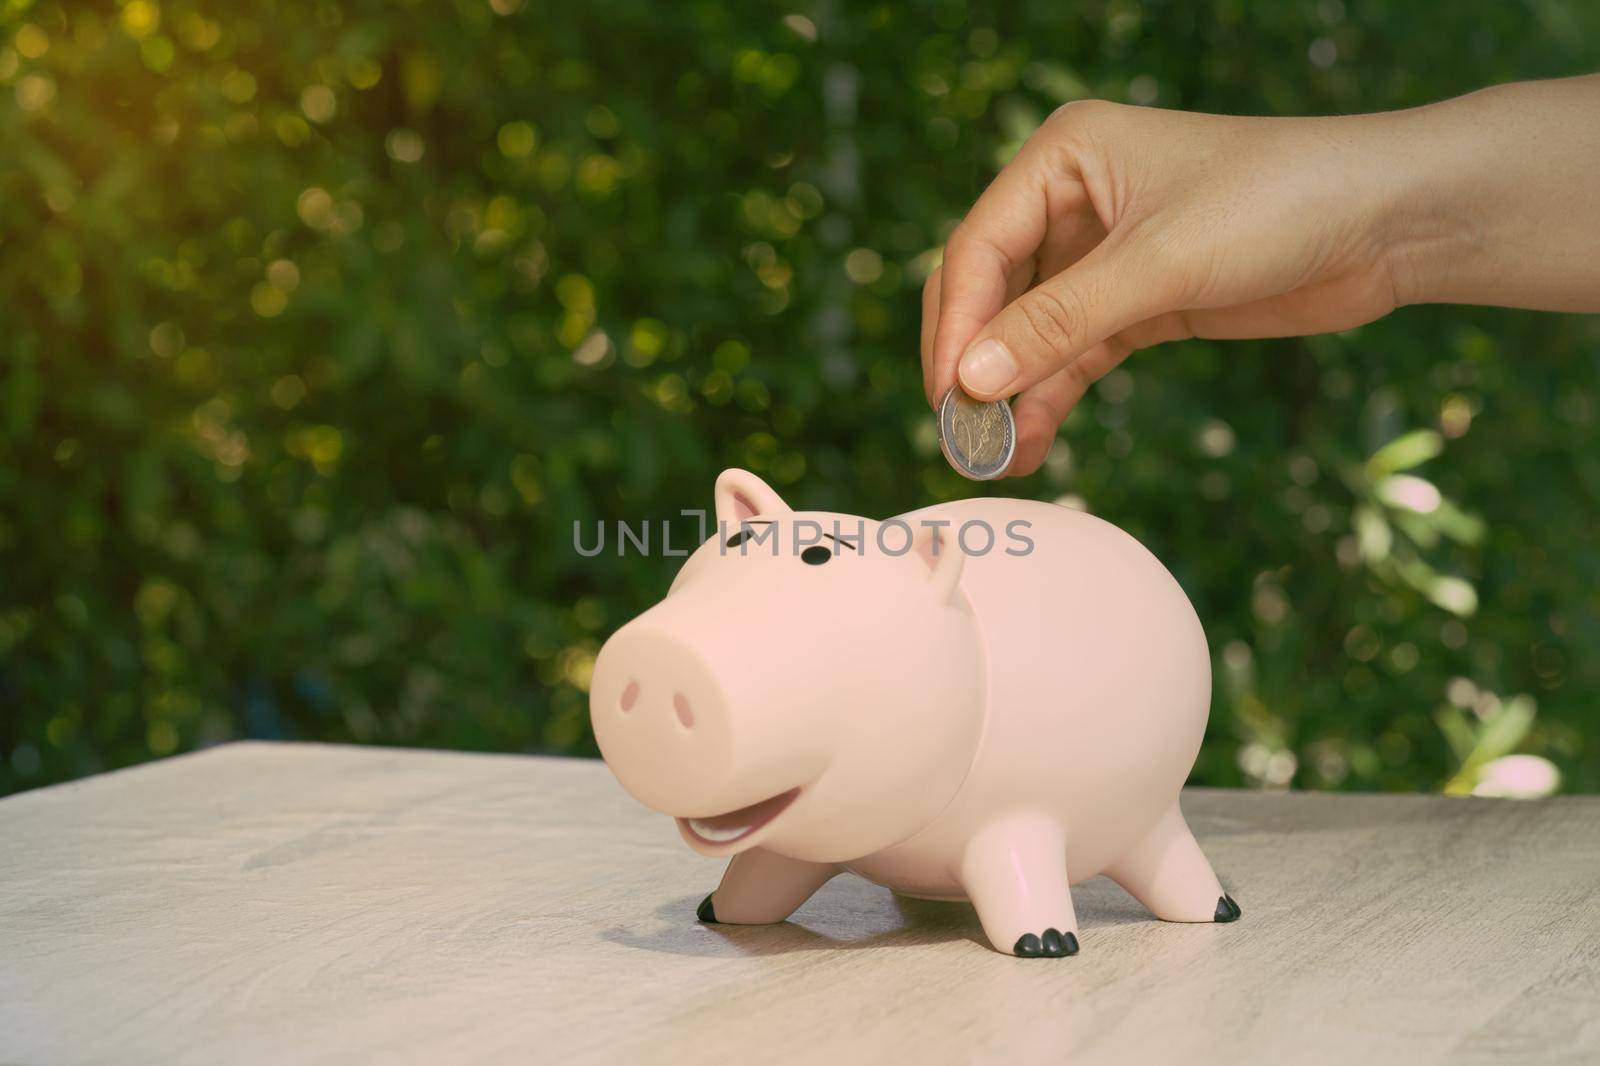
(989, 259)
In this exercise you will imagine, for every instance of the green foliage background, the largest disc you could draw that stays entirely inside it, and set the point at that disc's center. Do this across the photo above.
(321, 323)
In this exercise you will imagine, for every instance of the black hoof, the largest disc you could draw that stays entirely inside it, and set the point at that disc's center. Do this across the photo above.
(706, 913)
(1227, 910)
(1053, 944)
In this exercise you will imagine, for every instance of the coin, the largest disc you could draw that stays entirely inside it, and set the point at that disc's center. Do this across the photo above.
(978, 438)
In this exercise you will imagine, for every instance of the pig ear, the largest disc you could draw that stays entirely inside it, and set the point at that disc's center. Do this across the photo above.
(741, 495)
(934, 548)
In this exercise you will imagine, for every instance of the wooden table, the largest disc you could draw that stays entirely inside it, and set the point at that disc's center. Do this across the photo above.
(307, 904)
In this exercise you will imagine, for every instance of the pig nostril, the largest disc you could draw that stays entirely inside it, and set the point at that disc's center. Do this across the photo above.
(681, 705)
(630, 695)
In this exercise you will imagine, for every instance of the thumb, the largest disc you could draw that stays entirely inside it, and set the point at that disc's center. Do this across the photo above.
(1049, 326)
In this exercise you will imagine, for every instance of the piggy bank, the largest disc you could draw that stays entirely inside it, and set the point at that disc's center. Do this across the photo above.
(986, 700)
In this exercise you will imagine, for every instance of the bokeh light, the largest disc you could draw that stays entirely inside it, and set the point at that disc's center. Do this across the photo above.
(325, 321)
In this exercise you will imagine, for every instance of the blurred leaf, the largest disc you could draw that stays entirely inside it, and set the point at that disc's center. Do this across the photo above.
(1506, 729)
(1498, 735)
(1373, 534)
(1453, 724)
(1456, 524)
(1453, 594)
(1404, 452)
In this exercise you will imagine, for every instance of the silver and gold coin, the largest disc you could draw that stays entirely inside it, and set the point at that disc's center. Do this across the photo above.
(977, 438)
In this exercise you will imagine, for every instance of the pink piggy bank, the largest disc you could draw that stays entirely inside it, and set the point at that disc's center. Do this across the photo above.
(987, 700)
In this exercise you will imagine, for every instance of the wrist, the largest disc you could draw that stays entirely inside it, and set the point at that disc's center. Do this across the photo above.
(1488, 198)
(1428, 240)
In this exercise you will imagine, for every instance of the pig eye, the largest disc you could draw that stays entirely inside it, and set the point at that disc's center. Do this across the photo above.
(816, 555)
(738, 538)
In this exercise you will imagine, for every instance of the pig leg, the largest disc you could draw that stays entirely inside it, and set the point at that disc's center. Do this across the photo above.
(760, 887)
(1167, 872)
(1015, 872)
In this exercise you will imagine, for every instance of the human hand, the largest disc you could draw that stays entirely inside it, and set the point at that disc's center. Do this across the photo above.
(1116, 228)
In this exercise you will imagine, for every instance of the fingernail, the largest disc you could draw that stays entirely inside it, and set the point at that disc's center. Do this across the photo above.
(987, 367)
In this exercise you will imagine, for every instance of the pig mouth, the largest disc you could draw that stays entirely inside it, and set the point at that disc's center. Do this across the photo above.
(723, 829)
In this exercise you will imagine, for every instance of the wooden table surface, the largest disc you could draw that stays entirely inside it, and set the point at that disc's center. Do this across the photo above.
(308, 904)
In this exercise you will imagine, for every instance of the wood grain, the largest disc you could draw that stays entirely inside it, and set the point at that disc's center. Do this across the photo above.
(290, 903)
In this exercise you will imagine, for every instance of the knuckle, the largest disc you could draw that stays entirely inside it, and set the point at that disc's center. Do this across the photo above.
(971, 244)
(955, 250)
(1081, 376)
(959, 237)
(1056, 318)
(965, 245)
(1082, 113)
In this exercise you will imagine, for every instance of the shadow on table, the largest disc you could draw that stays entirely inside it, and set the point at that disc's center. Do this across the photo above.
(849, 914)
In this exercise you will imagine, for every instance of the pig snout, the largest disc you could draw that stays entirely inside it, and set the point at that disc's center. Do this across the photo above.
(661, 720)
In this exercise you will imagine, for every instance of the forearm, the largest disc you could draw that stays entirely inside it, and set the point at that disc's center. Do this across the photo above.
(1496, 197)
